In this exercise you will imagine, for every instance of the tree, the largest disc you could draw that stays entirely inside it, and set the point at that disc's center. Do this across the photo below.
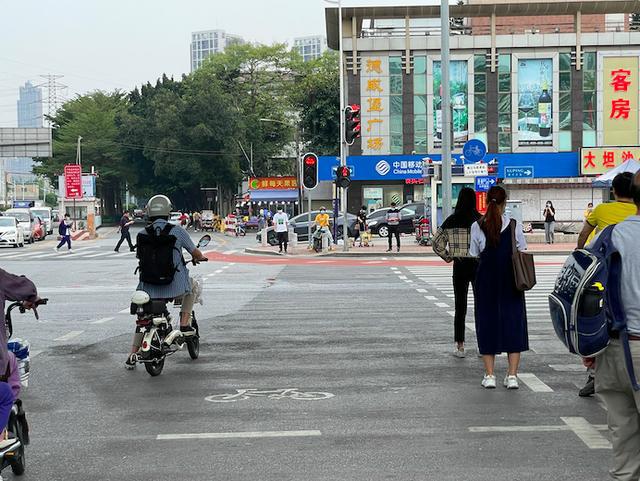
(316, 96)
(91, 117)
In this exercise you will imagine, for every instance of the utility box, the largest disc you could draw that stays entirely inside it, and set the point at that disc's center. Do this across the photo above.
(514, 210)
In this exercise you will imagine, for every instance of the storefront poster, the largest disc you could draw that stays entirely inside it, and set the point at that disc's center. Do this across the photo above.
(535, 115)
(270, 183)
(459, 90)
(598, 160)
(620, 101)
(375, 108)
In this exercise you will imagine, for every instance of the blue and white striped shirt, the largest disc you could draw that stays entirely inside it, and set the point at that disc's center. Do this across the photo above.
(181, 283)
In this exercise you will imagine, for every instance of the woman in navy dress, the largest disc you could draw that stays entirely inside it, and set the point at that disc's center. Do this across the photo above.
(500, 311)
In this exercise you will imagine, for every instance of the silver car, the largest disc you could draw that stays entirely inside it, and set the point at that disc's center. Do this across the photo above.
(25, 219)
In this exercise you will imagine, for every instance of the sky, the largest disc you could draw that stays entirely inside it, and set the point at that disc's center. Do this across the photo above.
(117, 44)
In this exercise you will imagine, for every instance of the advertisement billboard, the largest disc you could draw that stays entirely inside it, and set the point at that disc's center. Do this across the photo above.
(459, 90)
(620, 101)
(375, 105)
(598, 160)
(73, 181)
(535, 94)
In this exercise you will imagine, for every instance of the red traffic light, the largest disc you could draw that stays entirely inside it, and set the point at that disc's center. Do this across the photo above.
(343, 171)
(310, 160)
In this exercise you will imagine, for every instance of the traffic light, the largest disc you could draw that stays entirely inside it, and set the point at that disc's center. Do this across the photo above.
(310, 170)
(351, 123)
(343, 176)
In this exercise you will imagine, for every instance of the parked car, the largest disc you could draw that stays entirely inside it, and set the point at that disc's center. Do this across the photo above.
(11, 232)
(45, 214)
(26, 220)
(377, 222)
(300, 225)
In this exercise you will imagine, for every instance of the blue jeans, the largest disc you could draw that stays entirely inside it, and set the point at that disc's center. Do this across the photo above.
(65, 239)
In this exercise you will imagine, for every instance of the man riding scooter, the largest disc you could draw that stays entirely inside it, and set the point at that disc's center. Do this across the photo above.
(163, 272)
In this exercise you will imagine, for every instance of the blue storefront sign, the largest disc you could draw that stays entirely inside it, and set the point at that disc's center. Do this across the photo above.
(524, 172)
(485, 182)
(400, 167)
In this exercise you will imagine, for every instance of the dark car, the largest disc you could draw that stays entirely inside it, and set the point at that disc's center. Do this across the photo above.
(300, 225)
(377, 222)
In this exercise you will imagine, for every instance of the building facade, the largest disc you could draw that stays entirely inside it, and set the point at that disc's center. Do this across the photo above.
(310, 48)
(208, 42)
(552, 91)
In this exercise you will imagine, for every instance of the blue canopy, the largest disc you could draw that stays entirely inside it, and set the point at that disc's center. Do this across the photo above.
(605, 180)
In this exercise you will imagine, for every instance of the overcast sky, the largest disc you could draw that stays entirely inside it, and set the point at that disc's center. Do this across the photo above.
(109, 44)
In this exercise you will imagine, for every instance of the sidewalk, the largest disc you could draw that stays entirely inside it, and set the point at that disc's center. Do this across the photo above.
(408, 249)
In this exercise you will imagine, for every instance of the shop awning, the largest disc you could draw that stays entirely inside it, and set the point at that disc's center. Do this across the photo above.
(273, 195)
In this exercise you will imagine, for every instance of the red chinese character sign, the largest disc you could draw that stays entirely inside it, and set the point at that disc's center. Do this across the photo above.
(620, 103)
(598, 160)
(73, 181)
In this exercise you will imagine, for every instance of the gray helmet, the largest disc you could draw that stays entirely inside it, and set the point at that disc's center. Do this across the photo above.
(159, 206)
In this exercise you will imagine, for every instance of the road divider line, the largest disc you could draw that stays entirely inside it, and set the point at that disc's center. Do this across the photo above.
(533, 382)
(587, 433)
(68, 336)
(102, 321)
(244, 435)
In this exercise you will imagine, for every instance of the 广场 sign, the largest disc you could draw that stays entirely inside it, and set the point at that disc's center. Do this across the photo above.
(598, 160)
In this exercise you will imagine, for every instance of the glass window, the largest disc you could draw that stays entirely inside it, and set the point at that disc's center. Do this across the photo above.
(565, 120)
(395, 104)
(480, 103)
(565, 62)
(419, 105)
(589, 101)
(565, 81)
(396, 144)
(479, 63)
(504, 123)
(396, 125)
(480, 83)
(504, 63)
(504, 82)
(395, 65)
(589, 138)
(395, 82)
(589, 121)
(564, 141)
(420, 125)
(589, 80)
(419, 65)
(565, 101)
(589, 59)
(504, 103)
(420, 144)
(420, 84)
(480, 122)
(504, 142)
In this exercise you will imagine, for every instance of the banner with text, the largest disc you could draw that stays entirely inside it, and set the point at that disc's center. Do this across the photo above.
(270, 183)
(375, 106)
(598, 160)
(620, 101)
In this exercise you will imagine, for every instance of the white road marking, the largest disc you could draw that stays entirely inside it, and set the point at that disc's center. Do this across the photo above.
(533, 382)
(68, 336)
(233, 251)
(219, 271)
(442, 304)
(99, 254)
(226, 267)
(102, 321)
(587, 433)
(431, 298)
(393, 268)
(254, 434)
(402, 277)
(125, 311)
(471, 326)
(452, 313)
(422, 291)
(517, 429)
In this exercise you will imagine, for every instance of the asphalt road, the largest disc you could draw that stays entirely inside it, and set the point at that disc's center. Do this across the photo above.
(372, 341)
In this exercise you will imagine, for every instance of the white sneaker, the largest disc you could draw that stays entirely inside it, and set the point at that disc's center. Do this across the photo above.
(459, 352)
(511, 382)
(56, 249)
(489, 382)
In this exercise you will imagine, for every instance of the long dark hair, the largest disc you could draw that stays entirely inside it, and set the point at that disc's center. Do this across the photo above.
(466, 206)
(551, 205)
(492, 223)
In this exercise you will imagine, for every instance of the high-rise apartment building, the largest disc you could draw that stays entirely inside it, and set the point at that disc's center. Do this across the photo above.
(310, 48)
(30, 106)
(209, 42)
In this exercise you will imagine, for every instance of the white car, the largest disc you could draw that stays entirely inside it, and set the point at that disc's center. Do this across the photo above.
(11, 232)
(25, 220)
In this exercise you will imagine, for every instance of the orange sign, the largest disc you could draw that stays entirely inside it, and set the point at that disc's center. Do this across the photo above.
(270, 183)
(481, 202)
(598, 160)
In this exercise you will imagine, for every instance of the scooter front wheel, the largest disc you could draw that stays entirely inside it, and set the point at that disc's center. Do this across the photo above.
(193, 342)
(18, 463)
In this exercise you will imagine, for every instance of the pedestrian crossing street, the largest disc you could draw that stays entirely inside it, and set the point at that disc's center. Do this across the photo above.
(542, 337)
(79, 253)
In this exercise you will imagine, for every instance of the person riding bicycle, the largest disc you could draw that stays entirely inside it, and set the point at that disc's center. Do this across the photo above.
(179, 284)
(17, 289)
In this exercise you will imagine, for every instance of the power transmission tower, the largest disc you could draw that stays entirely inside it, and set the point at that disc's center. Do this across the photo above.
(55, 97)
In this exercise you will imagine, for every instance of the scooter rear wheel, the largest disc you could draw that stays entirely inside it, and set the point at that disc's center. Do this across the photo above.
(155, 366)
(19, 463)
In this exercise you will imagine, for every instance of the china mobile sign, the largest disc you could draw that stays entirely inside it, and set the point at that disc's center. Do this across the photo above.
(619, 102)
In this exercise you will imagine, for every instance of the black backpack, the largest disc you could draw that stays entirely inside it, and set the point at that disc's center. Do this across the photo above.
(155, 255)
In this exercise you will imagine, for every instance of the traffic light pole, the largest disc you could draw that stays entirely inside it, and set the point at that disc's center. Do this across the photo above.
(343, 146)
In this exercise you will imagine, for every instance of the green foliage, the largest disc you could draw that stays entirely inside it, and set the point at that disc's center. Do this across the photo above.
(51, 200)
(316, 96)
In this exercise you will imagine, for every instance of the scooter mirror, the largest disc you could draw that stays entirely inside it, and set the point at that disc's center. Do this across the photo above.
(204, 241)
